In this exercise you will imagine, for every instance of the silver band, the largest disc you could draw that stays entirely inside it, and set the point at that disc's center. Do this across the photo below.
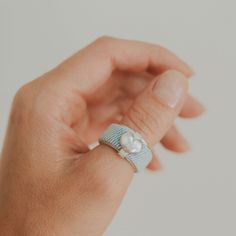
(129, 145)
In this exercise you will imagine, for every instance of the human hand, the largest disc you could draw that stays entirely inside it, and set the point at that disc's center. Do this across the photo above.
(50, 182)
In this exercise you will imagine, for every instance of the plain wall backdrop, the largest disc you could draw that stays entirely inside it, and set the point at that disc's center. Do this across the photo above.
(195, 193)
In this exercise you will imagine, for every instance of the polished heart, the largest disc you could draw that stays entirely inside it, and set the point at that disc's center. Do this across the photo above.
(130, 143)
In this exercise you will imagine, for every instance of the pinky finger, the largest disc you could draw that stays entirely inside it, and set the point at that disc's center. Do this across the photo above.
(175, 141)
(155, 163)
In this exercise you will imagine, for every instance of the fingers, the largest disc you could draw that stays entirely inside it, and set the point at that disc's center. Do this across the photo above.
(134, 83)
(155, 109)
(155, 163)
(191, 108)
(175, 141)
(92, 66)
(151, 115)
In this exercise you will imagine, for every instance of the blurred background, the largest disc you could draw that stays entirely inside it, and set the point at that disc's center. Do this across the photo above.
(195, 193)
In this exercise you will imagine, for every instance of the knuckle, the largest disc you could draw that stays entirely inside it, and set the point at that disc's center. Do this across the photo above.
(22, 96)
(103, 47)
(105, 43)
(104, 40)
(141, 118)
(149, 118)
(21, 92)
(20, 104)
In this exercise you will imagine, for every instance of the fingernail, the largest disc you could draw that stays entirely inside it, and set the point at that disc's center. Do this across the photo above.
(170, 87)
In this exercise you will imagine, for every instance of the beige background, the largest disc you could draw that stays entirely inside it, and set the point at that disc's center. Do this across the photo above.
(195, 194)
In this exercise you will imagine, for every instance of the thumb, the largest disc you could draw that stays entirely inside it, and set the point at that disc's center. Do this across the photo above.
(154, 111)
(151, 115)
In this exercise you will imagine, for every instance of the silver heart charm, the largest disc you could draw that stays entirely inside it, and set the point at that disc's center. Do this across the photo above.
(130, 143)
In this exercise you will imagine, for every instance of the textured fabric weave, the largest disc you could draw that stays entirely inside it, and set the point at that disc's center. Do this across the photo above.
(112, 136)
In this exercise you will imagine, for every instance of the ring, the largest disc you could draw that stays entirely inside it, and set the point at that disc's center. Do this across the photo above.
(129, 144)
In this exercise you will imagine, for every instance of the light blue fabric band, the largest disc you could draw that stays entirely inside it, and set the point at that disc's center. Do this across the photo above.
(114, 137)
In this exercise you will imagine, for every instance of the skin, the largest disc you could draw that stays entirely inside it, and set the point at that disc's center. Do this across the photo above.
(51, 183)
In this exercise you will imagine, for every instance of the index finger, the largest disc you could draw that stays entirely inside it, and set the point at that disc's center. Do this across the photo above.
(92, 66)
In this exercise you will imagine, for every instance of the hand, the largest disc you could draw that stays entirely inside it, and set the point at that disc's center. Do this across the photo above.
(50, 182)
